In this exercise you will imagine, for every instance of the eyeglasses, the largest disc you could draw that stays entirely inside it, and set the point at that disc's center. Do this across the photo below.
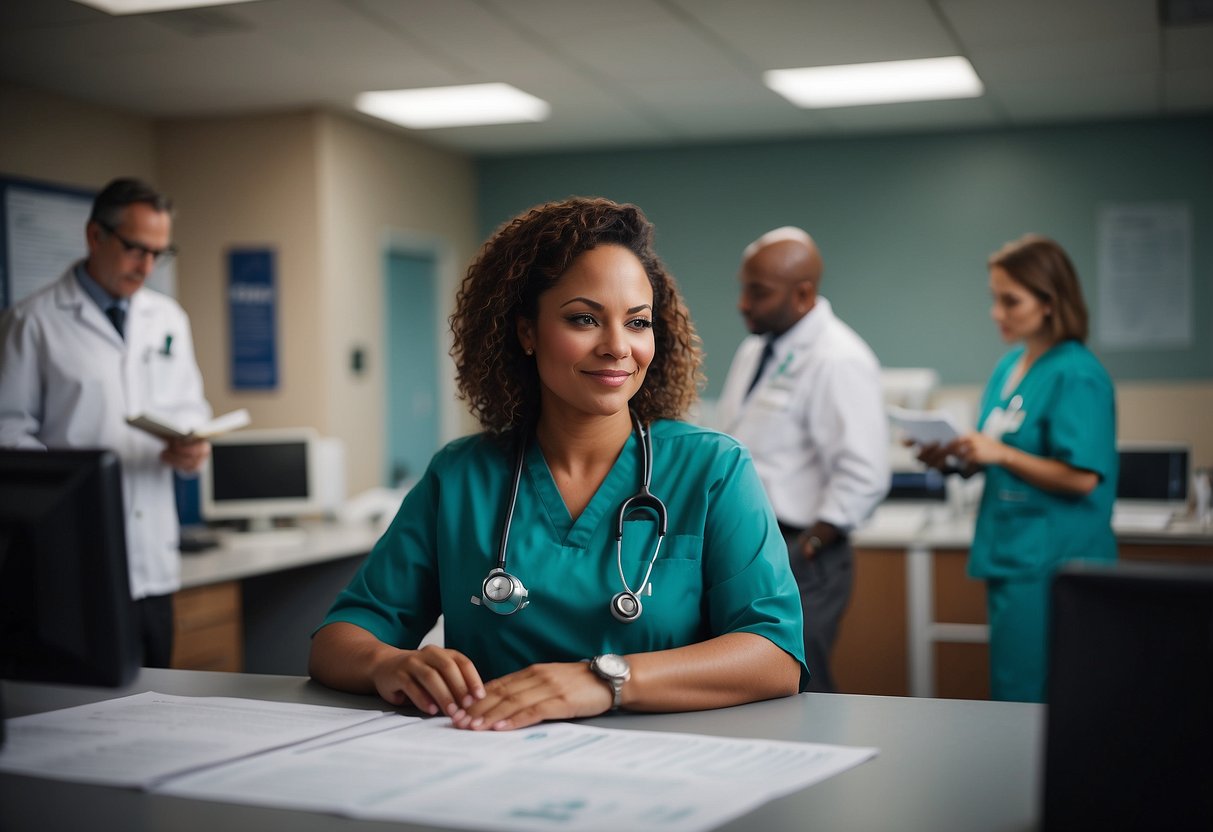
(158, 255)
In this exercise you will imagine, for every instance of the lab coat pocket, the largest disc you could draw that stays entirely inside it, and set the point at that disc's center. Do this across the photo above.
(773, 397)
(1021, 540)
(163, 380)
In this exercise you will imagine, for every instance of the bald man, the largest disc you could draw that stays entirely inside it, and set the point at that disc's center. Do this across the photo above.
(804, 395)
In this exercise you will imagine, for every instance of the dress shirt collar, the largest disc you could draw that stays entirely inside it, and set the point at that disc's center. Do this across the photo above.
(93, 289)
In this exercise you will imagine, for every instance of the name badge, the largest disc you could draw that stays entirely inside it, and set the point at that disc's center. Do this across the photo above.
(1003, 421)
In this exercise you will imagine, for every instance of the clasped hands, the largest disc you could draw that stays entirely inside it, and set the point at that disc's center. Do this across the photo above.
(440, 680)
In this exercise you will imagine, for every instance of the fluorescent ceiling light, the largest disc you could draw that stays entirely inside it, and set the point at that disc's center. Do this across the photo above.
(432, 107)
(879, 83)
(143, 6)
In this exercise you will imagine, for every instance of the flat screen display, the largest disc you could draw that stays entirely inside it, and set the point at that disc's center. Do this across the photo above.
(1155, 474)
(259, 471)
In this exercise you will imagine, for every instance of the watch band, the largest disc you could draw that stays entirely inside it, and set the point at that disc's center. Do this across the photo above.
(614, 670)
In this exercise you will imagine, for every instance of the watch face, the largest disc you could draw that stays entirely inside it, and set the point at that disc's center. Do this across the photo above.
(612, 665)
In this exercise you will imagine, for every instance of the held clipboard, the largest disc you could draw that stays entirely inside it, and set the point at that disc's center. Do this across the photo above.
(924, 427)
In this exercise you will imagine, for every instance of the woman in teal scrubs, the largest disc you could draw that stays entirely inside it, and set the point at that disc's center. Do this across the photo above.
(569, 339)
(1047, 446)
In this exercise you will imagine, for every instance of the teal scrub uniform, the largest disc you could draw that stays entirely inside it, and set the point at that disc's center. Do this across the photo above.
(1063, 408)
(722, 567)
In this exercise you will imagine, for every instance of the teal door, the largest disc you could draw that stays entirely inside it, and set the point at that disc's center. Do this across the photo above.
(412, 365)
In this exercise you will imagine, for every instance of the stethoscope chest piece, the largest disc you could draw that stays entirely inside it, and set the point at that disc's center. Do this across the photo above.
(626, 606)
(503, 593)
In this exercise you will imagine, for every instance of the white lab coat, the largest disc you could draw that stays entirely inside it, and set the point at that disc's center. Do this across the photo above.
(67, 380)
(815, 423)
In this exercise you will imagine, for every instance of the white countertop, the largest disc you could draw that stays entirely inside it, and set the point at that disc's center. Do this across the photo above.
(243, 555)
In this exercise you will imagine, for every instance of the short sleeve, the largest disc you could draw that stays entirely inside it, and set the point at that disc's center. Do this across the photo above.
(748, 581)
(1082, 425)
(394, 595)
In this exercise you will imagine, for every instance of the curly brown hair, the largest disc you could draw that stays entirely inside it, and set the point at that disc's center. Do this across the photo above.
(522, 260)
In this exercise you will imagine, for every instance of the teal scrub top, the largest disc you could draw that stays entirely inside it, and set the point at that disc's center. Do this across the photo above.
(1063, 408)
(722, 568)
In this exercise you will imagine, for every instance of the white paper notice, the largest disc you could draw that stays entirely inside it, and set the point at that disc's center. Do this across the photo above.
(1145, 275)
(45, 235)
(551, 776)
(142, 739)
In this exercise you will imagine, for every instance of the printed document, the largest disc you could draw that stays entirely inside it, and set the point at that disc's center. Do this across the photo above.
(143, 739)
(924, 427)
(385, 766)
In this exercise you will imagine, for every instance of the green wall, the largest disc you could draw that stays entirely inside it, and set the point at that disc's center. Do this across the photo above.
(905, 224)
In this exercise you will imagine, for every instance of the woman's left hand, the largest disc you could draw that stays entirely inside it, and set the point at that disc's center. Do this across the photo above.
(540, 692)
(979, 449)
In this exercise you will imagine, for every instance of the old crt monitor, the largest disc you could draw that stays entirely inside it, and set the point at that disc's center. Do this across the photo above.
(1129, 732)
(66, 613)
(263, 475)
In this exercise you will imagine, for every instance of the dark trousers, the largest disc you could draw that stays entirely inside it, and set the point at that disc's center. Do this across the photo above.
(155, 620)
(824, 581)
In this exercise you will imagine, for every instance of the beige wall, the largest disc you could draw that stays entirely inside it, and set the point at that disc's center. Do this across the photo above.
(250, 182)
(379, 190)
(55, 139)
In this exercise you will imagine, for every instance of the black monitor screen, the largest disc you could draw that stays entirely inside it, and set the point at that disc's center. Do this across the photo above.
(65, 605)
(1153, 475)
(917, 485)
(259, 471)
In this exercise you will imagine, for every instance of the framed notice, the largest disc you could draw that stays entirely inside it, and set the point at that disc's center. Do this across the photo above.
(41, 235)
(1145, 275)
(252, 319)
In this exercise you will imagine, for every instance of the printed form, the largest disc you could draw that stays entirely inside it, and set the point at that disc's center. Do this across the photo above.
(551, 776)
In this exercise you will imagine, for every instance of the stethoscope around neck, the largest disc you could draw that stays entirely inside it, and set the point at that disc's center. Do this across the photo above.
(505, 594)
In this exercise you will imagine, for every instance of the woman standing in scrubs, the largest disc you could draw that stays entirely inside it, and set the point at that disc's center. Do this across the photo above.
(566, 325)
(1047, 446)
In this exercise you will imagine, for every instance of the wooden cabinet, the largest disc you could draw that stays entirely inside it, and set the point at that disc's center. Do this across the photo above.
(889, 626)
(209, 631)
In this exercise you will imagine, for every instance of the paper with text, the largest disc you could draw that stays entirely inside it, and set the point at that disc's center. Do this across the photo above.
(142, 739)
(550, 776)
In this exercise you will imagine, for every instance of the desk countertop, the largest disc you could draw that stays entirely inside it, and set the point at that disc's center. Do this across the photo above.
(238, 556)
(944, 765)
(937, 527)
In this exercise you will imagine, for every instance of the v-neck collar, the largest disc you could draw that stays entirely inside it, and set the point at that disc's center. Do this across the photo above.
(620, 483)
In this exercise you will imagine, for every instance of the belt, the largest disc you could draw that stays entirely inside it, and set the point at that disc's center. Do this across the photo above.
(796, 531)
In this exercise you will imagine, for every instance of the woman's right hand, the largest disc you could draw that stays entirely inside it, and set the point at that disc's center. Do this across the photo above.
(435, 679)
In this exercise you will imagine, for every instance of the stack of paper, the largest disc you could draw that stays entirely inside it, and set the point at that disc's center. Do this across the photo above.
(384, 766)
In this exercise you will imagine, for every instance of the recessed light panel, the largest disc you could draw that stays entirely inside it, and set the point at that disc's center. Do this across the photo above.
(886, 82)
(472, 104)
(144, 6)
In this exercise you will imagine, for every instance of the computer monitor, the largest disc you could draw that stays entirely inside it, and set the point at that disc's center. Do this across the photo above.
(263, 475)
(1129, 730)
(66, 614)
(1153, 474)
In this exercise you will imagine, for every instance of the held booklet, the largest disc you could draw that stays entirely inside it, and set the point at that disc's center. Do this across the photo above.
(924, 427)
(165, 428)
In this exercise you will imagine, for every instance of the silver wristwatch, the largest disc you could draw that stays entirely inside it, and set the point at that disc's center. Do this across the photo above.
(614, 670)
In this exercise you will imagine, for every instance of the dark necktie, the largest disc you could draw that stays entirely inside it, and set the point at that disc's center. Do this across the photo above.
(117, 316)
(768, 350)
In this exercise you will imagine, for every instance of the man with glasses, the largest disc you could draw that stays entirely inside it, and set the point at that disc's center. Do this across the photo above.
(94, 347)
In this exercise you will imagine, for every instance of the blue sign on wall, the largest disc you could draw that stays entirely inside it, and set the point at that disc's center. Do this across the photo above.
(252, 319)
